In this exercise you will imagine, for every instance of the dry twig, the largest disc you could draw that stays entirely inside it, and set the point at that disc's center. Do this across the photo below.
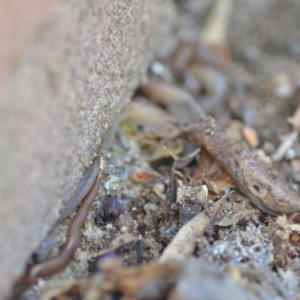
(183, 244)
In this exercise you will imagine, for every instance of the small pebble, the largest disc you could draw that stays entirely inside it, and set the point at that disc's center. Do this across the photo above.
(110, 209)
(291, 154)
(159, 190)
(284, 86)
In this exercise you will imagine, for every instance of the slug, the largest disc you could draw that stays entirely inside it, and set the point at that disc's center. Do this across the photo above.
(82, 189)
(264, 189)
(85, 183)
(56, 264)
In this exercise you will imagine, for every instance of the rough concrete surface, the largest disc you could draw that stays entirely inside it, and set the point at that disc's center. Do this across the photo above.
(71, 84)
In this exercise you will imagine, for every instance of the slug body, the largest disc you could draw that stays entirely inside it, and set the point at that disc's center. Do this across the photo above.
(264, 189)
(56, 264)
(83, 187)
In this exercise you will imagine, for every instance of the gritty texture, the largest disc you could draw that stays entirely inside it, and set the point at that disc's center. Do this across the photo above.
(71, 84)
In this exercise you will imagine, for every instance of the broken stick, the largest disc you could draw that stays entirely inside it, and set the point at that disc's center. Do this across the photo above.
(183, 244)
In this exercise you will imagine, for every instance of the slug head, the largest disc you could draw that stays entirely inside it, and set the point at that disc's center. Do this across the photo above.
(274, 194)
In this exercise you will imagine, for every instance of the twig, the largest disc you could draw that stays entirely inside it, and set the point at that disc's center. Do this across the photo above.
(183, 243)
(285, 145)
(221, 202)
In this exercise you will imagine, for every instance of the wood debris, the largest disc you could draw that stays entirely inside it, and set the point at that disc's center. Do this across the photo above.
(183, 244)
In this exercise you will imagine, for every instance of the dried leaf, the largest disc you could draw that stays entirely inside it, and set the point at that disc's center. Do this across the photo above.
(157, 120)
(140, 176)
